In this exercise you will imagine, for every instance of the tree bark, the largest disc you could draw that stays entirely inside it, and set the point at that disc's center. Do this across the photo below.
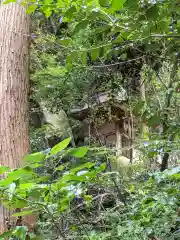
(14, 63)
(166, 127)
(143, 127)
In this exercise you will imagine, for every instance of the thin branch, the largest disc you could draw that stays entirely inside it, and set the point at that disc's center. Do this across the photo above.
(116, 64)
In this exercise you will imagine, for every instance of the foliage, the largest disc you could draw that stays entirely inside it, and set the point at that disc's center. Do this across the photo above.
(122, 22)
(98, 38)
(46, 185)
(152, 211)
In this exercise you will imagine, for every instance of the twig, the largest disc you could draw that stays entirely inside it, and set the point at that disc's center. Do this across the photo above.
(115, 64)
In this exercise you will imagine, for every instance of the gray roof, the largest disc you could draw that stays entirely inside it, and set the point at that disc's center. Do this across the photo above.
(101, 98)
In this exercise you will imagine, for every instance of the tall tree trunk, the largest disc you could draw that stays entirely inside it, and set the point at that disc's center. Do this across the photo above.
(14, 47)
(169, 95)
(143, 127)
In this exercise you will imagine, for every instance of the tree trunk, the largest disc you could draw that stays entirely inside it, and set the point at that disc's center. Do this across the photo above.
(143, 127)
(14, 47)
(169, 95)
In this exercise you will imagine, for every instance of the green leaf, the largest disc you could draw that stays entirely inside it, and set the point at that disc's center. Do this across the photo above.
(6, 234)
(9, 1)
(132, 188)
(60, 168)
(20, 232)
(36, 238)
(36, 165)
(117, 4)
(31, 9)
(88, 198)
(43, 179)
(148, 200)
(21, 172)
(154, 120)
(124, 56)
(65, 41)
(26, 185)
(35, 157)
(137, 110)
(17, 174)
(69, 13)
(95, 53)
(175, 176)
(4, 169)
(78, 152)
(80, 26)
(72, 57)
(18, 204)
(106, 50)
(103, 29)
(60, 146)
(23, 213)
(69, 177)
(64, 203)
(73, 228)
(47, 11)
(24, 174)
(83, 166)
(103, 3)
(131, 4)
(83, 56)
(101, 168)
(152, 13)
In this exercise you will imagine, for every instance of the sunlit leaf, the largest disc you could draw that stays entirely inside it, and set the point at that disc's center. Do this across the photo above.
(22, 173)
(83, 166)
(73, 228)
(78, 152)
(35, 157)
(4, 169)
(70, 177)
(31, 9)
(101, 168)
(47, 11)
(175, 176)
(20, 232)
(60, 146)
(18, 204)
(43, 179)
(88, 198)
(24, 213)
(9, 1)
(26, 185)
(118, 4)
(60, 168)
(5, 235)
